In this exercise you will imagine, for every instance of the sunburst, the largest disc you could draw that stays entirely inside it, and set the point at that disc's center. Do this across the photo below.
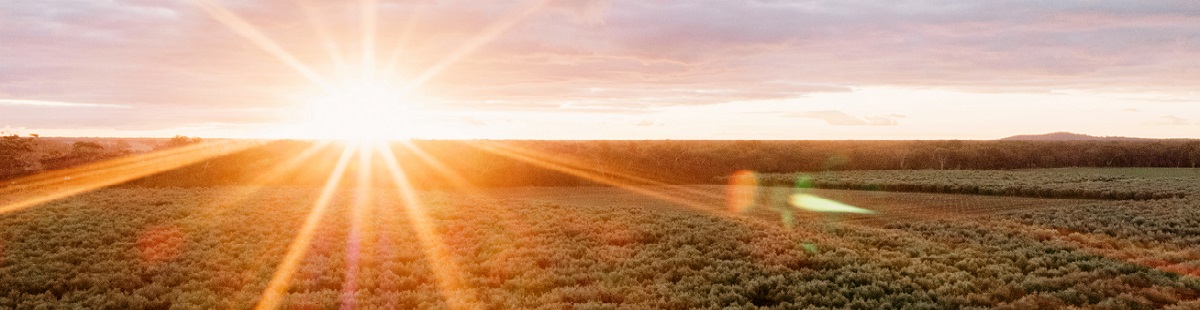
(362, 104)
(359, 110)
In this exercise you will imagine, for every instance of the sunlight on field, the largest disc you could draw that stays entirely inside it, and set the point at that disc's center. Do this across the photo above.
(41, 188)
(361, 155)
(742, 192)
(278, 286)
(354, 212)
(364, 104)
(363, 182)
(162, 243)
(454, 290)
(457, 294)
(392, 182)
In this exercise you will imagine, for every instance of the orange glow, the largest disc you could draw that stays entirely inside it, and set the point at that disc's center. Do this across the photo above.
(364, 96)
(453, 289)
(354, 244)
(41, 188)
(359, 110)
(367, 102)
(742, 192)
(624, 181)
(277, 288)
(437, 165)
(567, 165)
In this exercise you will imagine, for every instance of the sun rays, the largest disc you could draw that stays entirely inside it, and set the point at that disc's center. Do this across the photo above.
(375, 100)
(362, 155)
(454, 291)
(356, 162)
(360, 110)
(279, 283)
(359, 103)
(45, 187)
(366, 185)
(251, 33)
(363, 97)
(364, 104)
(365, 111)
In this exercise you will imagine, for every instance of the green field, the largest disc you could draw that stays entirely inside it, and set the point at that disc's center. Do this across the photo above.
(607, 247)
(1091, 183)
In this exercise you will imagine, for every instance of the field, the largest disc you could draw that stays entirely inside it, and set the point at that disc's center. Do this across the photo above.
(670, 247)
(599, 154)
(1093, 183)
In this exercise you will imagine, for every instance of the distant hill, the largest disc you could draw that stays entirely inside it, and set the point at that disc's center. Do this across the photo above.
(1067, 136)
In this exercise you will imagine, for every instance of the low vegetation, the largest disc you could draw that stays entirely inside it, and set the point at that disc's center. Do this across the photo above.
(1109, 183)
(213, 234)
(586, 247)
(712, 162)
(681, 162)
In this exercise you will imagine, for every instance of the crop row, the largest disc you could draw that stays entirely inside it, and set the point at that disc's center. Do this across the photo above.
(203, 248)
(1115, 184)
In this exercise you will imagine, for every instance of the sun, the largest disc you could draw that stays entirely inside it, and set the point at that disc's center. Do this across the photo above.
(359, 110)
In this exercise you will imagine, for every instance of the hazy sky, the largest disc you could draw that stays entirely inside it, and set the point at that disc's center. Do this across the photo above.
(638, 69)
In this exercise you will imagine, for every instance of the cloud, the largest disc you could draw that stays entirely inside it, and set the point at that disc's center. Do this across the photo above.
(647, 123)
(1169, 120)
(58, 104)
(131, 117)
(472, 121)
(839, 118)
(591, 12)
(596, 56)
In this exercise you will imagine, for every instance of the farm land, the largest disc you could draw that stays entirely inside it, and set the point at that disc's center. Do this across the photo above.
(449, 154)
(204, 236)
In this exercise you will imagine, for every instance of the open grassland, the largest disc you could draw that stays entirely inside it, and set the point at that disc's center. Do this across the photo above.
(601, 248)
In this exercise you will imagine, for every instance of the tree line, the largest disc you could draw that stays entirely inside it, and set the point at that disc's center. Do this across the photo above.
(683, 162)
(25, 155)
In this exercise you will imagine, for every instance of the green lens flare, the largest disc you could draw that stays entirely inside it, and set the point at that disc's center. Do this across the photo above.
(818, 204)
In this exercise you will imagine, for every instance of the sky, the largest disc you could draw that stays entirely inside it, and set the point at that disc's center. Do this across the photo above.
(597, 69)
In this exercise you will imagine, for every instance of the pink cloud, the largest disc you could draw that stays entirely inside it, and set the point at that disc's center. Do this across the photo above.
(839, 118)
(596, 56)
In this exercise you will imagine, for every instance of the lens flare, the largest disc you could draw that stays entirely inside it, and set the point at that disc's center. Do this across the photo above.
(49, 186)
(360, 110)
(440, 168)
(485, 36)
(817, 204)
(624, 181)
(320, 28)
(742, 191)
(277, 288)
(354, 246)
(804, 181)
(453, 289)
(251, 33)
